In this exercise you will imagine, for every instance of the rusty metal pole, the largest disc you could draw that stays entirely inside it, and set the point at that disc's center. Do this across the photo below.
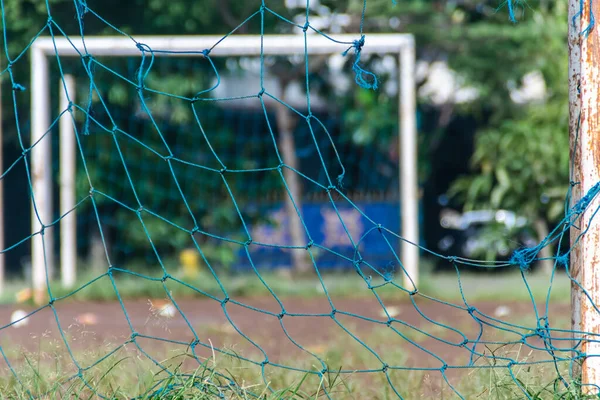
(584, 127)
(2, 256)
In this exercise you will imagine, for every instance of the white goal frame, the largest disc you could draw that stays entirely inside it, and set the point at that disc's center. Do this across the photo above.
(402, 45)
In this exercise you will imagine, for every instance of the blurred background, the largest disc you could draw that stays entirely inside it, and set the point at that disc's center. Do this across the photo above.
(492, 131)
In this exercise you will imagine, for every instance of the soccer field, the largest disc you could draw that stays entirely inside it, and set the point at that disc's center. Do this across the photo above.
(299, 199)
(262, 349)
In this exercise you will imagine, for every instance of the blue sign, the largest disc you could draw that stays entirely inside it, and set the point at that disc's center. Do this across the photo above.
(338, 244)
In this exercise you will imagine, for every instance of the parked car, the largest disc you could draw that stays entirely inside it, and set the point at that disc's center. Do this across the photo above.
(490, 235)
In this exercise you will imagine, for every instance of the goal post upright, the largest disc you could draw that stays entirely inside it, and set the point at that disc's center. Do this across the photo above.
(402, 45)
(584, 132)
(2, 241)
(409, 189)
(40, 169)
(67, 151)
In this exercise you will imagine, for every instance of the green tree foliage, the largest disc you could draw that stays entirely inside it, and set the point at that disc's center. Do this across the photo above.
(208, 196)
(520, 162)
(521, 158)
(521, 150)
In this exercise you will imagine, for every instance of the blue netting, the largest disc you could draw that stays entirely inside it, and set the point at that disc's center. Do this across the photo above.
(549, 346)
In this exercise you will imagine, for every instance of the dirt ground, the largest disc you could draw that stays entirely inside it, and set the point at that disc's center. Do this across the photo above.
(306, 326)
(424, 334)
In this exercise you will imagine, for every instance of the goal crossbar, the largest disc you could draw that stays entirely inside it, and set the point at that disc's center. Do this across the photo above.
(238, 45)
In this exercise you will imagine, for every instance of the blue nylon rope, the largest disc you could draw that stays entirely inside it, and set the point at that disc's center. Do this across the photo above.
(542, 338)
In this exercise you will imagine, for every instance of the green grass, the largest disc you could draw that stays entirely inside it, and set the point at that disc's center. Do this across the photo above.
(476, 287)
(129, 374)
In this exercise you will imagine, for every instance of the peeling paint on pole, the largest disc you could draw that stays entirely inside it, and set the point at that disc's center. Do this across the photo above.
(584, 101)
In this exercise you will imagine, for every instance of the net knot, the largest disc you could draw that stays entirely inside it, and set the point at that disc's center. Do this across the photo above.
(323, 371)
(139, 210)
(248, 242)
(310, 244)
(444, 368)
(223, 170)
(524, 339)
(142, 47)
(194, 343)
(281, 315)
(357, 45)
(265, 362)
(168, 158)
(18, 87)
(49, 20)
(471, 310)
(305, 27)
(542, 329)
(452, 259)
(563, 259)
(164, 278)
(262, 91)
(384, 368)
(194, 230)
(333, 312)
(205, 52)
(225, 300)
(464, 342)
(541, 332)
(524, 257)
(133, 336)
(51, 302)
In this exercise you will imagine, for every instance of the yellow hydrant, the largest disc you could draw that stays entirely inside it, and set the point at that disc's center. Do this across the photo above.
(190, 261)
